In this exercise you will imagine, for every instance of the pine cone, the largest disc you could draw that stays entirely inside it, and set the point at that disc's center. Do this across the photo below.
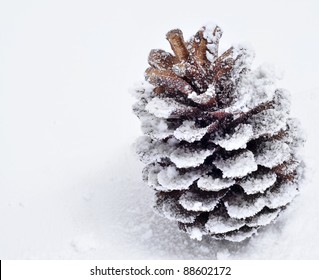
(220, 147)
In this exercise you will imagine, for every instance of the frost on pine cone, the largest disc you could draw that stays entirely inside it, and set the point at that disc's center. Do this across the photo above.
(220, 147)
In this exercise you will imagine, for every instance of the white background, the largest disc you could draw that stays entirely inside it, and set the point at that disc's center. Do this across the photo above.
(70, 185)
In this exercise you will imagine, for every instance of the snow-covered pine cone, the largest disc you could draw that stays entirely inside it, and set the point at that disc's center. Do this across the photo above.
(220, 148)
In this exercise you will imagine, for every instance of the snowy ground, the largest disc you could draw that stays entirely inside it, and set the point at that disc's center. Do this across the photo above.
(70, 186)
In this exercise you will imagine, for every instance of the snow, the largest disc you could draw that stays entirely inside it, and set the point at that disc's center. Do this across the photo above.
(263, 219)
(209, 183)
(258, 183)
(212, 40)
(204, 97)
(256, 87)
(238, 140)
(196, 202)
(184, 158)
(271, 121)
(241, 235)
(219, 224)
(71, 186)
(240, 208)
(170, 209)
(272, 153)
(188, 132)
(237, 166)
(163, 108)
(170, 178)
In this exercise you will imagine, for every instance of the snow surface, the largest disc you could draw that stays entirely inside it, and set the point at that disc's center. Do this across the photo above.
(71, 187)
(237, 166)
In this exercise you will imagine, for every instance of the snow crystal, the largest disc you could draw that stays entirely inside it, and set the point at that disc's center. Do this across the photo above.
(219, 224)
(189, 132)
(199, 202)
(263, 219)
(164, 107)
(237, 166)
(272, 153)
(185, 157)
(170, 209)
(256, 183)
(238, 140)
(209, 183)
(170, 178)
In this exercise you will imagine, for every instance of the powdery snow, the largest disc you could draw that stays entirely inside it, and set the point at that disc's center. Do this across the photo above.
(257, 183)
(200, 202)
(219, 224)
(164, 107)
(209, 183)
(170, 179)
(263, 219)
(241, 235)
(272, 153)
(237, 166)
(189, 132)
(239, 207)
(238, 140)
(212, 39)
(170, 209)
(184, 157)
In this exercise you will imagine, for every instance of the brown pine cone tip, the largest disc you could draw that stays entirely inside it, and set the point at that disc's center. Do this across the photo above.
(220, 147)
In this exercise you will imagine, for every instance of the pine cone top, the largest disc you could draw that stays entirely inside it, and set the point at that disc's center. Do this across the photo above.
(220, 148)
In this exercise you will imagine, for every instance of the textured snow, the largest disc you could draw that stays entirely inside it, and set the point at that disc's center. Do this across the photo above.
(184, 158)
(272, 153)
(149, 150)
(209, 183)
(204, 97)
(263, 219)
(199, 202)
(164, 107)
(237, 166)
(170, 178)
(155, 127)
(212, 39)
(170, 209)
(219, 224)
(256, 87)
(270, 121)
(195, 233)
(241, 235)
(240, 208)
(257, 183)
(188, 132)
(238, 140)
